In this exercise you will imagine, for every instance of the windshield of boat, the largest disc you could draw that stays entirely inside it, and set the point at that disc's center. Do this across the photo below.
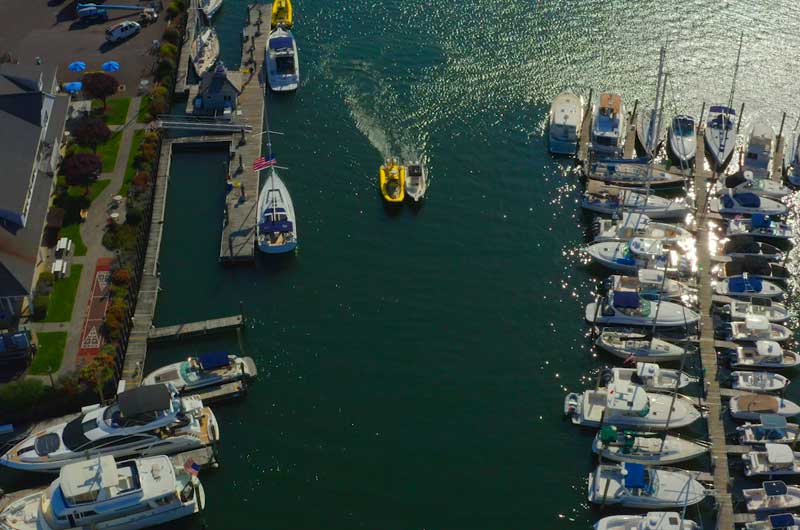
(683, 127)
(562, 131)
(285, 65)
(114, 419)
(74, 434)
(721, 122)
(607, 141)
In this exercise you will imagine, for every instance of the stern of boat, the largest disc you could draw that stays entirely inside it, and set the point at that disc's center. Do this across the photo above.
(572, 407)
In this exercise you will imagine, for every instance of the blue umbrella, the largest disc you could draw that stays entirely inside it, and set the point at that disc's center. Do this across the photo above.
(77, 66)
(73, 87)
(111, 66)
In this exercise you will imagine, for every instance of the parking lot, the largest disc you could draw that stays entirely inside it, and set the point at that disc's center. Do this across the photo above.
(52, 31)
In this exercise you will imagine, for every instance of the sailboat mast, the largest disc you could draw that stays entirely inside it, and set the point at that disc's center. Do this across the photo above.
(661, 108)
(735, 71)
(652, 129)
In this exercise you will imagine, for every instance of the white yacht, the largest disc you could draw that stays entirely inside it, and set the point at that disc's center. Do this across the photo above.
(628, 405)
(651, 285)
(206, 370)
(608, 126)
(781, 521)
(720, 133)
(746, 287)
(758, 382)
(627, 308)
(753, 406)
(644, 447)
(759, 226)
(772, 311)
(101, 493)
(205, 51)
(746, 203)
(653, 377)
(638, 346)
(683, 140)
(758, 156)
(613, 200)
(757, 328)
(634, 172)
(744, 182)
(639, 253)
(566, 117)
(772, 496)
(775, 460)
(765, 354)
(210, 7)
(277, 225)
(771, 429)
(639, 225)
(283, 66)
(145, 421)
(649, 521)
(638, 486)
(416, 180)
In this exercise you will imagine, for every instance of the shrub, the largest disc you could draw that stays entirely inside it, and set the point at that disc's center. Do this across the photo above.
(92, 132)
(141, 180)
(158, 105)
(81, 169)
(22, 395)
(113, 326)
(116, 311)
(160, 91)
(100, 85)
(110, 239)
(121, 277)
(133, 216)
(168, 51)
(172, 35)
(165, 67)
(45, 283)
(40, 305)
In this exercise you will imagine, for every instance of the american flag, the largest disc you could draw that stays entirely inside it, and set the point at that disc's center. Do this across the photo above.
(191, 467)
(263, 163)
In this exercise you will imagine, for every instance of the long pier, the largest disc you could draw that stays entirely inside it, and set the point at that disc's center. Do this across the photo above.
(182, 78)
(195, 328)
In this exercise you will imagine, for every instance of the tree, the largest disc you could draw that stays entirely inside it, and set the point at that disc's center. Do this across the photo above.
(100, 85)
(92, 132)
(100, 370)
(81, 169)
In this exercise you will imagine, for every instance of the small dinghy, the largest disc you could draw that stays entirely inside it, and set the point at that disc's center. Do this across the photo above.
(743, 246)
(392, 178)
(720, 134)
(782, 521)
(765, 354)
(613, 200)
(637, 486)
(416, 181)
(634, 172)
(745, 287)
(758, 382)
(651, 377)
(638, 346)
(203, 371)
(650, 521)
(281, 14)
(627, 308)
(746, 203)
(771, 496)
(644, 447)
(772, 429)
(754, 267)
(752, 406)
(283, 65)
(628, 405)
(683, 140)
(776, 460)
(639, 253)
(772, 311)
(759, 226)
(650, 284)
(566, 117)
(744, 182)
(758, 154)
(639, 225)
(756, 328)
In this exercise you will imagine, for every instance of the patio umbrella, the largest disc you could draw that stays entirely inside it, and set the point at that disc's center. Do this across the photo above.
(111, 66)
(77, 66)
(73, 87)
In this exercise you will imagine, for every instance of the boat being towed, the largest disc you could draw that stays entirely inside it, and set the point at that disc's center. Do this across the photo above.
(638, 486)
(639, 225)
(644, 447)
(627, 308)
(638, 346)
(613, 200)
(276, 231)
(566, 117)
(392, 177)
(416, 180)
(649, 521)
(206, 370)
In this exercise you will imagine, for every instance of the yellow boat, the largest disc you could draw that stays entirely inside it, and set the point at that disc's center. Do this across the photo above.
(282, 13)
(393, 180)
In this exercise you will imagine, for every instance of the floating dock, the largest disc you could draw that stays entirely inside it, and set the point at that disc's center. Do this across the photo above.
(196, 328)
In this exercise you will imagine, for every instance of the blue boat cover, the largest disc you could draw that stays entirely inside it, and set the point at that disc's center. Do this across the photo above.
(276, 226)
(721, 108)
(280, 43)
(627, 260)
(775, 487)
(216, 359)
(748, 200)
(740, 284)
(781, 520)
(760, 221)
(626, 299)
(773, 421)
(635, 476)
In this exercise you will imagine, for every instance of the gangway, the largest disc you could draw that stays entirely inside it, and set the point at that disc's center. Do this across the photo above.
(188, 123)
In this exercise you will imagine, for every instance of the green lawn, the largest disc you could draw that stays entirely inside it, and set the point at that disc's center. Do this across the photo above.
(116, 110)
(63, 296)
(74, 233)
(144, 109)
(95, 189)
(130, 171)
(50, 353)
(107, 151)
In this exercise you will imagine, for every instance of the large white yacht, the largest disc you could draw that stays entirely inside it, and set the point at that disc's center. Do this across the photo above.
(608, 126)
(566, 117)
(145, 421)
(100, 493)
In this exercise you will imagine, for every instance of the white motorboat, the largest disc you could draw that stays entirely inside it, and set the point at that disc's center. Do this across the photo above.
(771, 496)
(683, 140)
(644, 447)
(613, 200)
(566, 117)
(754, 267)
(652, 377)
(757, 328)
(639, 225)
(775, 460)
(277, 224)
(639, 253)
(758, 156)
(206, 370)
(744, 182)
(638, 346)
(283, 65)
(416, 180)
(772, 311)
(638, 486)
(744, 246)
(101, 493)
(145, 421)
(765, 354)
(781, 521)
(753, 406)
(720, 133)
(210, 7)
(746, 203)
(204, 51)
(634, 172)
(759, 226)
(651, 285)
(650, 521)
(608, 126)
(745, 287)
(628, 405)
(772, 429)
(626, 308)
(758, 382)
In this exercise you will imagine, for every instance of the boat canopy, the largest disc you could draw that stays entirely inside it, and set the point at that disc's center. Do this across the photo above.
(781, 520)
(212, 360)
(281, 43)
(642, 245)
(779, 454)
(731, 181)
(745, 284)
(283, 226)
(744, 245)
(721, 122)
(756, 322)
(634, 475)
(626, 300)
(144, 399)
(774, 488)
(769, 349)
(760, 220)
(608, 434)
(747, 200)
(647, 369)
(626, 397)
(752, 264)
(634, 219)
(721, 109)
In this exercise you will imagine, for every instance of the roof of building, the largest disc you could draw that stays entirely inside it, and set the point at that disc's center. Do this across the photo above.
(212, 82)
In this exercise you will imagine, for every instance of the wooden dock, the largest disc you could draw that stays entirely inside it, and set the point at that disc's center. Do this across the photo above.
(182, 79)
(586, 134)
(205, 458)
(241, 204)
(196, 328)
(232, 390)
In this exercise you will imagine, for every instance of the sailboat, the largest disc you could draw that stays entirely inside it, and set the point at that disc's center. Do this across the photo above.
(277, 225)
(720, 132)
(648, 123)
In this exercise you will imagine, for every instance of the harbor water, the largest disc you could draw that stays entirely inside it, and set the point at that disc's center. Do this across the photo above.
(413, 361)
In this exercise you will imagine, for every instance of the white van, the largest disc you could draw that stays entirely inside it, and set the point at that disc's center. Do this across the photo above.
(122, 31)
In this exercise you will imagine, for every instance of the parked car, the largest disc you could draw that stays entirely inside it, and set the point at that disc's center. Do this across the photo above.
(122, 31)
